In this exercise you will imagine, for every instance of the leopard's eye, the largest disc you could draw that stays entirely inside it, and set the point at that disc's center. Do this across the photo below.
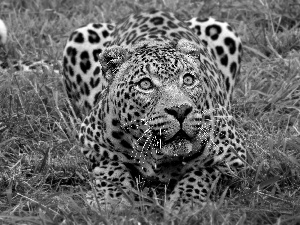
(145, 84)
(188, 79)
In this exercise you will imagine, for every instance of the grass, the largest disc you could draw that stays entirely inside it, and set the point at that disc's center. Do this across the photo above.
(43, 176)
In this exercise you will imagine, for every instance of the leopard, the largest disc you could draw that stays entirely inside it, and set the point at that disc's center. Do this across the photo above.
(153, 94)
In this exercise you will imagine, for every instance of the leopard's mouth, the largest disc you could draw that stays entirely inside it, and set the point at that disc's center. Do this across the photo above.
(179, 144)
(180, 135)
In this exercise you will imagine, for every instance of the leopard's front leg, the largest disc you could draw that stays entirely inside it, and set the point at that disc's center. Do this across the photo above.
(112, 180)
(194, 187)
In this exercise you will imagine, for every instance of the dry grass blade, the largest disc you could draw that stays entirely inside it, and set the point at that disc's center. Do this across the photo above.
(260, 186)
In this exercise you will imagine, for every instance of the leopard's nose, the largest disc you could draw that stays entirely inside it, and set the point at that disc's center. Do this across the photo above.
(179, 112)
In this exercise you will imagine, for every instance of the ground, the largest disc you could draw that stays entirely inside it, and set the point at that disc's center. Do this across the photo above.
(43, 176)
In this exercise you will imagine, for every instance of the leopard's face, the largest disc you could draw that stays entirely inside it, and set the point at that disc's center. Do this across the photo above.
(160, 100)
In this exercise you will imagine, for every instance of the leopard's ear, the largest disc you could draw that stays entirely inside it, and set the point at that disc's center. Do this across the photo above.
(188, 47)
(111, 59)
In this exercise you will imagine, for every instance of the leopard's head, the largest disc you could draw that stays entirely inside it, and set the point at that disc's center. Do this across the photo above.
(161, 98)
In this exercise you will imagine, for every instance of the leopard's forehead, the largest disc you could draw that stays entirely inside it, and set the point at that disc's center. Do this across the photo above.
(162, 62)
(154, 25)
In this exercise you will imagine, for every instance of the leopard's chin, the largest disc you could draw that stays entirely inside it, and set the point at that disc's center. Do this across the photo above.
(178, 147)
